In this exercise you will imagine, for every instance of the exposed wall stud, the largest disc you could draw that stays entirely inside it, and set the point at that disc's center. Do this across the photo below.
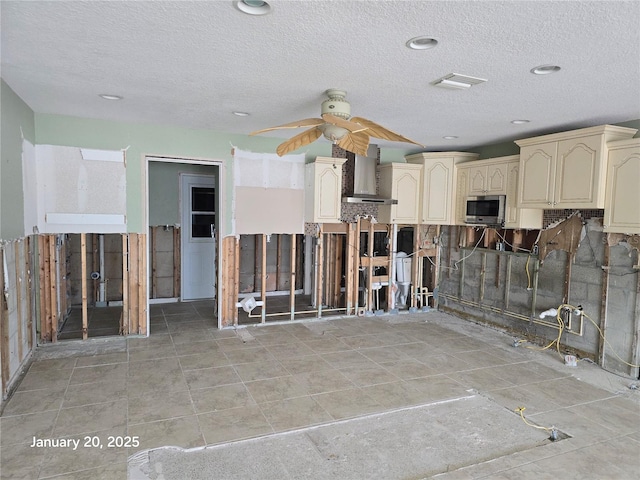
(605, 302)
(53, 288)
(124, 324)
(320, 272)
(28, 264)
(263, 281)
(19, 280)
(154, 263)
(176, 262)
(4, 329)
(83, 276)
(356, 273)
(292, 277)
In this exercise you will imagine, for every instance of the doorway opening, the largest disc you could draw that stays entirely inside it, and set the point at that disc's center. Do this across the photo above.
(183, 220)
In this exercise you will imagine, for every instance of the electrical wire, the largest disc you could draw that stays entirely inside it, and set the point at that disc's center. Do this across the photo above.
(561, 327)
(526, 267)
(455, 264)
(515, 248)
(607, 342)
(521, 410)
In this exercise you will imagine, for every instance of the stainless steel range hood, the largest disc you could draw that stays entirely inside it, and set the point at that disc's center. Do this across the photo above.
(362, 186)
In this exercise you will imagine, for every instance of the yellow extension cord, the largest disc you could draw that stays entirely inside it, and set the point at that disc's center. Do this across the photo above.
(521, 410)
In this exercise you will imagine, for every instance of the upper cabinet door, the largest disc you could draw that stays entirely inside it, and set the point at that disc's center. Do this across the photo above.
(488, 180)
(622, 201)
(323, 190)
(578, 173)
(537, 175)
(497, 179)
(400, 181)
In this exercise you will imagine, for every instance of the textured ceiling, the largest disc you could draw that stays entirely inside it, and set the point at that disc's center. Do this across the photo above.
(191, 64)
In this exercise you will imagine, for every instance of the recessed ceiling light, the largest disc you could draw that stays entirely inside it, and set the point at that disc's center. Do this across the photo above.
(108, 96)
(422, 43)
(241, 114)
(519, 122)
(450, 137)
(253, 7)
(545, 69)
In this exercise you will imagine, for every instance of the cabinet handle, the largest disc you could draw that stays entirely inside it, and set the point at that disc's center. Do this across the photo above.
(548, 203)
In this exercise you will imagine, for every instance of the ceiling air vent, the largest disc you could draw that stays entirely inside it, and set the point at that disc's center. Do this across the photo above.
(457, 81)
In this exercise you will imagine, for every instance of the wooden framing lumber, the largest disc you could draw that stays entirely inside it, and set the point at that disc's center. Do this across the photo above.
(4, 328)
(142, 286)
(19, 281)
(415, 270)
(292, 277)
(349, 266)
(154, 263)
(320, 271)
(176, 262)
(95, 266)
(53, 313)
(28, 264)
(263, 281)
(392, 241)
(125, 319)
(230, 281)
(83, 276)
(278, 260)
(370, 267)
(604, 304)
(356, 261)
(339, 252)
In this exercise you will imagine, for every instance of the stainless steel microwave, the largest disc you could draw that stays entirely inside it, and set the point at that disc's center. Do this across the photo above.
(485, 210)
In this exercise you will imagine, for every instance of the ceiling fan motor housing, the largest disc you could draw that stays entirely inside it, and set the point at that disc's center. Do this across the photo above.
(336, 104)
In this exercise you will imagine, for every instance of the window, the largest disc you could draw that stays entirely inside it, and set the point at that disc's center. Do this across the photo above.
(203, 215)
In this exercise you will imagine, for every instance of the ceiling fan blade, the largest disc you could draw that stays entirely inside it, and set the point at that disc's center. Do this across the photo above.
(357, 142)
(379, 131)
(340, 122)
(307, 122)
(299, 140)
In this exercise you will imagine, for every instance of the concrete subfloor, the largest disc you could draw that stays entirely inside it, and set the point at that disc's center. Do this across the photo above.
(423, 395)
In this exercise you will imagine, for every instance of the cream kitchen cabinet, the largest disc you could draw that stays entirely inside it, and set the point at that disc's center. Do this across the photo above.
(439, 185)
(401, 182)
(323, 190)
(568, 169)
(622, 199)
(515, 217)
(487, 178)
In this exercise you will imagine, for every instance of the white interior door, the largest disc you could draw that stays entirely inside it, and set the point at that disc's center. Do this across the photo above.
(198, 243)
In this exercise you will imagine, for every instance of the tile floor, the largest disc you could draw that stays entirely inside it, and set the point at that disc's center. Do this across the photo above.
(191, 385)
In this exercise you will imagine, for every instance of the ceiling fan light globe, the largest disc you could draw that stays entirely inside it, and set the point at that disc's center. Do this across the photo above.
(333, 132)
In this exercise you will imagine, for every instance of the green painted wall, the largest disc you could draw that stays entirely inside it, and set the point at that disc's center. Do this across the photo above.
(510, 148)
(16, 120)
(164, 190)
(141, 140)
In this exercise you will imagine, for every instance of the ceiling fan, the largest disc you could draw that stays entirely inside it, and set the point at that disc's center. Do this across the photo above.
(338, 126)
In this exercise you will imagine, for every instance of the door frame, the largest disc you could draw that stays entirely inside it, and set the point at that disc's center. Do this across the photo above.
(221, 216)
